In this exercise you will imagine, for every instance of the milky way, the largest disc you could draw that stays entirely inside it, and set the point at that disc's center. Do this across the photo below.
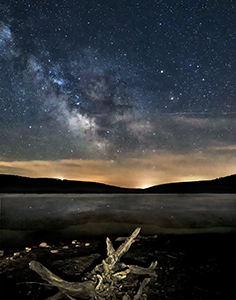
(116, 79)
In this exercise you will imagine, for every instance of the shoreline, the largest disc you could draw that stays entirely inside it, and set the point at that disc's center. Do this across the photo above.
(12, 239)
(190, 266)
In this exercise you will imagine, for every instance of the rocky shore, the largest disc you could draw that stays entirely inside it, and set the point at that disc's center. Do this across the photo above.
(197, 266)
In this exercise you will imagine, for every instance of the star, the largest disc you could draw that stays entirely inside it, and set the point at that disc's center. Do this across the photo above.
(116, 81)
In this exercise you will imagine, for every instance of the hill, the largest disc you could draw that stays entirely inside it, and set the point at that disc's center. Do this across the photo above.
(19, 184)
(220, 185)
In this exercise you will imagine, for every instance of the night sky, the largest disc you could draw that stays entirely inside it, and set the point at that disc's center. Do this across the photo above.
(129, 93)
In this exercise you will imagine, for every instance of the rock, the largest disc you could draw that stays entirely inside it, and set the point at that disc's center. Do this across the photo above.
(44, 245)
(16, 254)
(65, 247)
(1, 253)
(27, 249)
(87, 244)
(54, 251)
(74, 242)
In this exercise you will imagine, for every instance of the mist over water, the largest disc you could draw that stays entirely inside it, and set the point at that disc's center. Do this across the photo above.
(58, 215)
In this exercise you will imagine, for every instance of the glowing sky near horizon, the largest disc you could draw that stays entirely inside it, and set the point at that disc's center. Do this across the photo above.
(129, 93)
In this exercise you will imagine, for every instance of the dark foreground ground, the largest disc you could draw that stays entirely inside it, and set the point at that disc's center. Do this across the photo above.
(197, 266)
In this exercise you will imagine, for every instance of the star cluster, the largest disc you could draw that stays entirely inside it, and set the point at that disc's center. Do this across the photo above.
(117, 80)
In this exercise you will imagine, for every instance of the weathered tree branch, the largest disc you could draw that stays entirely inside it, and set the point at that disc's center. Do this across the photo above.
(141, 288)
(83, 289)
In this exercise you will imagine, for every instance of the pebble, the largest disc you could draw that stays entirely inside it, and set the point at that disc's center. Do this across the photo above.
(87, 244)
(65, 247)
(74, 242)
(16, 254)
(54, 251)
(1, 253)
(44, 245)
(27, 249)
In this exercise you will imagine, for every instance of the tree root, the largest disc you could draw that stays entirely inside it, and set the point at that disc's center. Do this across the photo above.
(105, 278)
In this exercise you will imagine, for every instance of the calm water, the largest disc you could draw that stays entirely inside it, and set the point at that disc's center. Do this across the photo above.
(68, 215)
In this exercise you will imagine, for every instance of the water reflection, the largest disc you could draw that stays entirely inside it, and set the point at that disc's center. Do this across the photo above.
(116, 214)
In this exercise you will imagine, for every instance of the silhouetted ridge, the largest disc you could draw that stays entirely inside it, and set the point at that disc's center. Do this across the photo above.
(220, 185)
(19, 184)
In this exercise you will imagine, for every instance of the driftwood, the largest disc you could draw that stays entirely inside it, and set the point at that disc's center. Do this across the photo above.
(104, 281)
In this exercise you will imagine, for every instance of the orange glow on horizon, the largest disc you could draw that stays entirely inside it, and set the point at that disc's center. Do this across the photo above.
(132, 172)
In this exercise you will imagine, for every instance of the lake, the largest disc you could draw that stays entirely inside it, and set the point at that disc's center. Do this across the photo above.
(27, 218)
